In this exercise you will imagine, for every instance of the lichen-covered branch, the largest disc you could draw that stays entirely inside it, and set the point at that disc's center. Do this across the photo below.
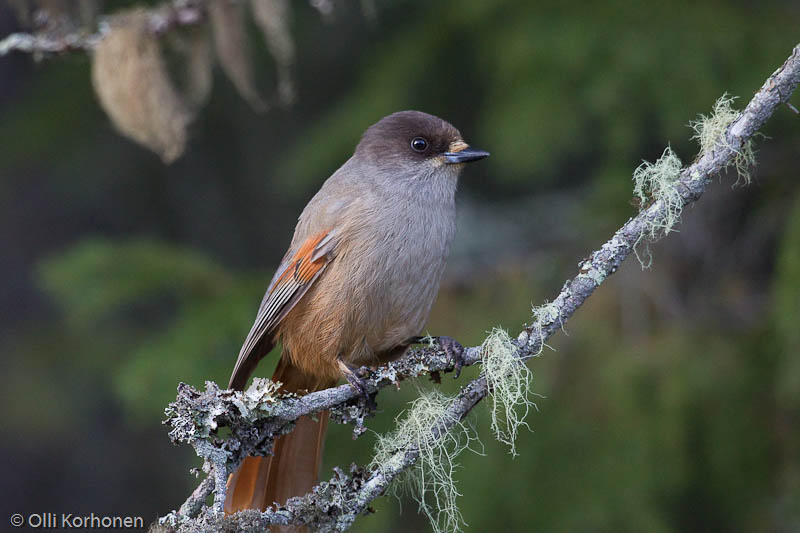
(257, 415)
(160, 19)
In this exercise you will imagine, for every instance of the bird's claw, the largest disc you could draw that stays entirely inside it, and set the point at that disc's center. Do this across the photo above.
(454, 351)
(358, 383)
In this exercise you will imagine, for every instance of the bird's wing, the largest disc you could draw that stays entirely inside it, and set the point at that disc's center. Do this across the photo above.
(295, 275)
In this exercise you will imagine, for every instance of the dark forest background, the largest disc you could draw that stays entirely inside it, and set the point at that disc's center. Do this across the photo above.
(672, 403)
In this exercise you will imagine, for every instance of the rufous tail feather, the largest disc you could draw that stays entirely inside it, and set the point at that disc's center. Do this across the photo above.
(293, 469)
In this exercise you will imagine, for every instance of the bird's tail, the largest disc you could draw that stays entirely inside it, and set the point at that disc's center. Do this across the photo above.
(293, 467)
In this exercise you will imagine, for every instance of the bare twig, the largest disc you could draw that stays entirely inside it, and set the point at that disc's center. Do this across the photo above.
(195, 502)
(334, 504)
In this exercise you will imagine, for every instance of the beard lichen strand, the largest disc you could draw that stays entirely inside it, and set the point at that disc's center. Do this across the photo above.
(430, 481)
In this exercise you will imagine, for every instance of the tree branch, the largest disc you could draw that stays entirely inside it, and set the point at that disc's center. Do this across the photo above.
(161, 19)
(258, 415)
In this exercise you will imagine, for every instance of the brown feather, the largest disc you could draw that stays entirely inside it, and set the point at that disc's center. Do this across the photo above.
(293, 469)
(293, 278)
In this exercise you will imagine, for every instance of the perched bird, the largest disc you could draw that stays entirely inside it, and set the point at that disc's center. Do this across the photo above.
(356, 285)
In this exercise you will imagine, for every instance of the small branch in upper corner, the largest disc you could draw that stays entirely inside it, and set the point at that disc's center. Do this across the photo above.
(58, 40)
(42, 44)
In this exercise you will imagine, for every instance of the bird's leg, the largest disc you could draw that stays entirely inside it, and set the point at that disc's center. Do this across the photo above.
(350, 372)
(453, 349)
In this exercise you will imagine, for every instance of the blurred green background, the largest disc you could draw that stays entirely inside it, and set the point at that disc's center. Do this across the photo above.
(672, 403)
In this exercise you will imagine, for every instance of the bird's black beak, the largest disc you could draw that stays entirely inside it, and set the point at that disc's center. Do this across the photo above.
(465, 156)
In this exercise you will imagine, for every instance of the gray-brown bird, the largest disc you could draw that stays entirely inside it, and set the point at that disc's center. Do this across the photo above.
(356, 285)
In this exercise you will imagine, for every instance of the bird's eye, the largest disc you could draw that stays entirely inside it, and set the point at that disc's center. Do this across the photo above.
(419, 144)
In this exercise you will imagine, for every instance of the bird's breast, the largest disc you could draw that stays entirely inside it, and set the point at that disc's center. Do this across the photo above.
(402, 254)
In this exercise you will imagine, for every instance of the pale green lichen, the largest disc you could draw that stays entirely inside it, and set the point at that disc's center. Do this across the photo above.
(509, 380)
(710, 132)
(197, 415)
(657, 183)
(588, 270)
(428, 341)
(259, 397)
(547, 313)
(430, 481)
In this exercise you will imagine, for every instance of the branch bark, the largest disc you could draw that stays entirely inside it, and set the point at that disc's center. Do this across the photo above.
(161, 19)
(257, 415)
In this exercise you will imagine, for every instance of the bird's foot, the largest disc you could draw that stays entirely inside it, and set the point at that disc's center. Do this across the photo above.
(453, 349)
(351, 374)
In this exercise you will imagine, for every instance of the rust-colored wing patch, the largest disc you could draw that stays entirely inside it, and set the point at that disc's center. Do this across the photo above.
(304, 265)
(290, 282)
